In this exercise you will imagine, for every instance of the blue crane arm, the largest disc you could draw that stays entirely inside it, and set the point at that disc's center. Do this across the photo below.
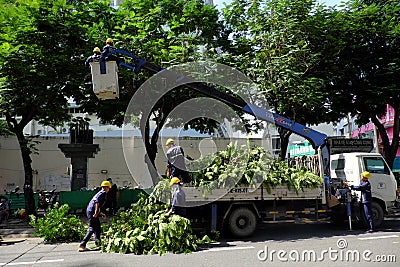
(316, 138)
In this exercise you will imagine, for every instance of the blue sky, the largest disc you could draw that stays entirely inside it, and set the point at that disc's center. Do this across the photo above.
(327, 2)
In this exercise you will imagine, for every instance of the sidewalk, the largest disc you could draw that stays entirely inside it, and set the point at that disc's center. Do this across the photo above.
(16, 229)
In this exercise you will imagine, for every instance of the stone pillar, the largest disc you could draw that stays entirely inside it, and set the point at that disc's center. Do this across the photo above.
(79, 149)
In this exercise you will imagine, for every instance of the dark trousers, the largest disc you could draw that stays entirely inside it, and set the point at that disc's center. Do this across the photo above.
(182, 175)
(368, 214)
(94, 228)
(111, 205)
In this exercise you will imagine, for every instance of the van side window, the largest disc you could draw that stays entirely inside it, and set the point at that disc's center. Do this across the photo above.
(337, 164)
(375, 165)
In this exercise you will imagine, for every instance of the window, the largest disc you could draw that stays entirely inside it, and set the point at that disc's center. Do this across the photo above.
(375, 165)
(337, 164)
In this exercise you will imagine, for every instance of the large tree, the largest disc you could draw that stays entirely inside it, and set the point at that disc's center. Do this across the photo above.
(43, 43)
(165, 33)
(367, 63)
(274, 43)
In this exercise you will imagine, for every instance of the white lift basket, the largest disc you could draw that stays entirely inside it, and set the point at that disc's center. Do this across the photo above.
(105, 86)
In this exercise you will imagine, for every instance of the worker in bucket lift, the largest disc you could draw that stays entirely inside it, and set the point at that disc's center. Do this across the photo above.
(107, 49)
(365, 188)
(93, 58)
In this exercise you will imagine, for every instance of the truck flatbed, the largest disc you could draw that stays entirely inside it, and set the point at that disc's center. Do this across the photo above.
(250, 194)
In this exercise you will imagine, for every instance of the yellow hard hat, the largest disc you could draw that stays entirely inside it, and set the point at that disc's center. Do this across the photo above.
(96, 49)
(366, 175)
(170, 140)
(174, 180)
(106, 183)
(109, 41)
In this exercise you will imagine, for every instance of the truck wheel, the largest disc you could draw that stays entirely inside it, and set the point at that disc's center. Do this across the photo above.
(377, 213)
(242, 222)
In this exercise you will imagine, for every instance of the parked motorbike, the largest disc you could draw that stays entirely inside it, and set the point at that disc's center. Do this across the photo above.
(47, 199)
(10, 195)
(12, 192)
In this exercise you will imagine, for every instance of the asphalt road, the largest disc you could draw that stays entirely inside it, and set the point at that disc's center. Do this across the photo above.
(278, 245)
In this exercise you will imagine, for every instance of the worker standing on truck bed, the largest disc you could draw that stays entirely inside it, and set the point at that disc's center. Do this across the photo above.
(365, 188)
(176, 162)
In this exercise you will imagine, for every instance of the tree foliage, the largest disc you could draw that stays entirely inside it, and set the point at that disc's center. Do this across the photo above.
(365, 63)
(273, 42)
(164, 33)
(43, 46)
(4, 129)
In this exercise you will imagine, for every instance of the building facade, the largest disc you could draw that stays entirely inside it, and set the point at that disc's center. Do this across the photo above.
(367, 131)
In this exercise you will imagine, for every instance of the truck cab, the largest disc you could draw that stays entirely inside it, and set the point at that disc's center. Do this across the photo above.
(349, 166)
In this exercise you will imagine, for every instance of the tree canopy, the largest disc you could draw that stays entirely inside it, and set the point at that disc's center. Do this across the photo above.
(43, 46)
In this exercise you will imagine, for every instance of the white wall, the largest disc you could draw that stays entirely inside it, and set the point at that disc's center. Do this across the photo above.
(53, 168)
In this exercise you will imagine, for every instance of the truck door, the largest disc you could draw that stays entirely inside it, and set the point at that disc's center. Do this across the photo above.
(382, 179)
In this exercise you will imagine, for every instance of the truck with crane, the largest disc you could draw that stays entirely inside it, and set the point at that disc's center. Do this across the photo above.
(239, 209)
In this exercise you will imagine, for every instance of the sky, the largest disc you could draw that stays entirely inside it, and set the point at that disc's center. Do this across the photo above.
(219, 3)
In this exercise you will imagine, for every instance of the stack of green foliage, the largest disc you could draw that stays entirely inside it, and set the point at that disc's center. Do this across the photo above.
(145, 229)
(58, 226)
(248, 166)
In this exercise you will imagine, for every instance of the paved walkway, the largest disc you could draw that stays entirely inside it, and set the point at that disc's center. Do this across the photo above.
(15, 229)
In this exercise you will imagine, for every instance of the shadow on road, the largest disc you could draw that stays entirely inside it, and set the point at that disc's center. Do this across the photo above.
(293, 232)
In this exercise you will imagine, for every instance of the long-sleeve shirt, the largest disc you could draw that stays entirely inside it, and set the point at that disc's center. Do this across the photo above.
(175, 159)
(178, 202)
(92, 58)
(105, 53)
(100, 198)
(365, 188)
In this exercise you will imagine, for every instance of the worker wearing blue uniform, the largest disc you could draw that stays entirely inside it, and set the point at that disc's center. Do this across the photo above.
(107, 50)
(93, 58)
(178, 200)
(176, 162)
(365, 188)
(93, 211)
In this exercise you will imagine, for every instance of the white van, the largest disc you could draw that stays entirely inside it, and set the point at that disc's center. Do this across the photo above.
(349, 166)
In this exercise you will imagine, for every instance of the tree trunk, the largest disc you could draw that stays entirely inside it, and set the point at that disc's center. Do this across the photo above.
(30, 206)
(151, 145)
(284, 136)
(389, 149)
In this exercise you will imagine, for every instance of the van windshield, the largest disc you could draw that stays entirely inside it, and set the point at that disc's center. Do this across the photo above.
(375, 165)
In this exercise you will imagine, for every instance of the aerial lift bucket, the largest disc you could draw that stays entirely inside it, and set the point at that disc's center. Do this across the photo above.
(105, 86)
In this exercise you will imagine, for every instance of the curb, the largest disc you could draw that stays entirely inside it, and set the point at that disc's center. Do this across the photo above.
(16, 233)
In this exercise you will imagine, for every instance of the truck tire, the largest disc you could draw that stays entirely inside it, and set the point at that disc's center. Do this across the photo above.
(242, 222)
(377, 213)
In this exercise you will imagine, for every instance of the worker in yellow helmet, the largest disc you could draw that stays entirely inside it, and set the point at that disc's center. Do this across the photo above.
(93, 211)
(365, 188)
(106, 53)
(178, 200)
(176, 166)
(93, 58)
